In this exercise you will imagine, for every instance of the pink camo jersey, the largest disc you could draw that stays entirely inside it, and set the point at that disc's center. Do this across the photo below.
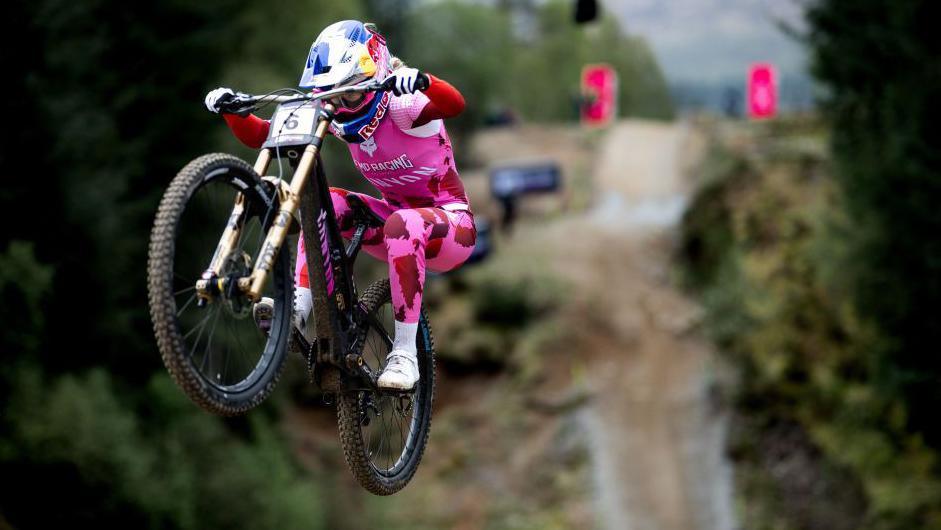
(428, 222)
(411, 167)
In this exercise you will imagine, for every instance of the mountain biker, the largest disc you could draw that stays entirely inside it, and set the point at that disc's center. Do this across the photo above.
(398, 142)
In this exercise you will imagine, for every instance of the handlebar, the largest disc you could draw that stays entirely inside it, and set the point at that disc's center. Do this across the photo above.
(244, 104)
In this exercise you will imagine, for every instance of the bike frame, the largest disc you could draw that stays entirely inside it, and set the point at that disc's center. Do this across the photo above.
(336, 318)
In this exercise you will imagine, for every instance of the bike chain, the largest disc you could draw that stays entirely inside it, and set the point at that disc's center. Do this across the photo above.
(298, 342)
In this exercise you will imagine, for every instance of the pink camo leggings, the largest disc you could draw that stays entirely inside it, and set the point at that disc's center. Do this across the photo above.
(411, 240)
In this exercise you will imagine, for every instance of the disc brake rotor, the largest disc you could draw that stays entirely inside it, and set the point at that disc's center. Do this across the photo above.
(238, 265)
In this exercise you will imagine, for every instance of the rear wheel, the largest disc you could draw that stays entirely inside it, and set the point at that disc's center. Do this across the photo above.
(215, 352)
(384, 433)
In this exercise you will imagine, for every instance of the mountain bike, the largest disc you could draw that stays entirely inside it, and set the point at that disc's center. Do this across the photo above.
(202, 291)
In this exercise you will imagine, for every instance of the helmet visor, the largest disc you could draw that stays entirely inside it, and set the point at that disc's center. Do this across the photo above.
(331, 65)
(317, 59)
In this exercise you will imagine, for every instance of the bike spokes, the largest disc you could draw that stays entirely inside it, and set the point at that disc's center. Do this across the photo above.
(221, 339)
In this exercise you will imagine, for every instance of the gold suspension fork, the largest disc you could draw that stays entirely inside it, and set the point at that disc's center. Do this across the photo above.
(289, 200)
(229, 239)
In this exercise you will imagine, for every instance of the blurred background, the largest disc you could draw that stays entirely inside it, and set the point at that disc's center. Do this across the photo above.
(721, 312)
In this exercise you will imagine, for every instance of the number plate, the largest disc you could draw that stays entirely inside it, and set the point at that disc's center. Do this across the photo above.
(292, 124)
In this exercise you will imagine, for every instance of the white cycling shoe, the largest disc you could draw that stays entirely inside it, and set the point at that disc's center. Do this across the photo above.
(401, 372)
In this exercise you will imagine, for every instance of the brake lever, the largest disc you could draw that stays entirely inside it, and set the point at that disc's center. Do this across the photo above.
(244, 112)
(240, 105)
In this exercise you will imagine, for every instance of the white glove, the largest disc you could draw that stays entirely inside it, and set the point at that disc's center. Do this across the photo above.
(213, 97)
(406, 80)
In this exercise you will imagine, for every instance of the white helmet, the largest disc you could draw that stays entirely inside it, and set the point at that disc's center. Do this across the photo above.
(345, 53)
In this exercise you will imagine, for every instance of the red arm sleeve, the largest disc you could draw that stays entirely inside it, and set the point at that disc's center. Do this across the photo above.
(250, 130)
(445, 102)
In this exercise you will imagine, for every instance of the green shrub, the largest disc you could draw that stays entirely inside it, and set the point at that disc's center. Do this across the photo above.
(79, 445)
(764, 247)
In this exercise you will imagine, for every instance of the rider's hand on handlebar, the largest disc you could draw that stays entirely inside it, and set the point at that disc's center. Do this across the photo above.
(406, 81)
(215, 98)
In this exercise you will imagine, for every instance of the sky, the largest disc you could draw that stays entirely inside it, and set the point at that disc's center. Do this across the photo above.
(714, 40)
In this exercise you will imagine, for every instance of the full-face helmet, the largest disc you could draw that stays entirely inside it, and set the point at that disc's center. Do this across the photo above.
(346, 53)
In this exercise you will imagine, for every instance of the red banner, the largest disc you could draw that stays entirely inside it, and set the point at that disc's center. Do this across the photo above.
(600, 94)
(762, 91)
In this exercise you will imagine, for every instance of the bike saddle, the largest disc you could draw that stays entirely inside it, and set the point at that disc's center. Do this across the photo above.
(362, 214)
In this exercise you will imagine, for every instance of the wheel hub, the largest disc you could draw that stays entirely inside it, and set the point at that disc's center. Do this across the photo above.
(238, 265)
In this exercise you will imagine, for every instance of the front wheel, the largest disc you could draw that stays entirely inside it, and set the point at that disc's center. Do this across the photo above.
(384, 433)
(214, 351)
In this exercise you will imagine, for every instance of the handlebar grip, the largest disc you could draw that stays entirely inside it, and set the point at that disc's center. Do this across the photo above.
(423, 81)
(388, 84)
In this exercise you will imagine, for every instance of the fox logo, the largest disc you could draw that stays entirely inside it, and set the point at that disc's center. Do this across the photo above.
(369, 146)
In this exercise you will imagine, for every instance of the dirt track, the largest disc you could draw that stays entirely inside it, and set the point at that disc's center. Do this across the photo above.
(631, 343)
(653, 417)
(655, 437)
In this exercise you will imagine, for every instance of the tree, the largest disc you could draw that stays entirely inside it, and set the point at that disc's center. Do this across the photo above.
(108, 101)
(879, 60)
